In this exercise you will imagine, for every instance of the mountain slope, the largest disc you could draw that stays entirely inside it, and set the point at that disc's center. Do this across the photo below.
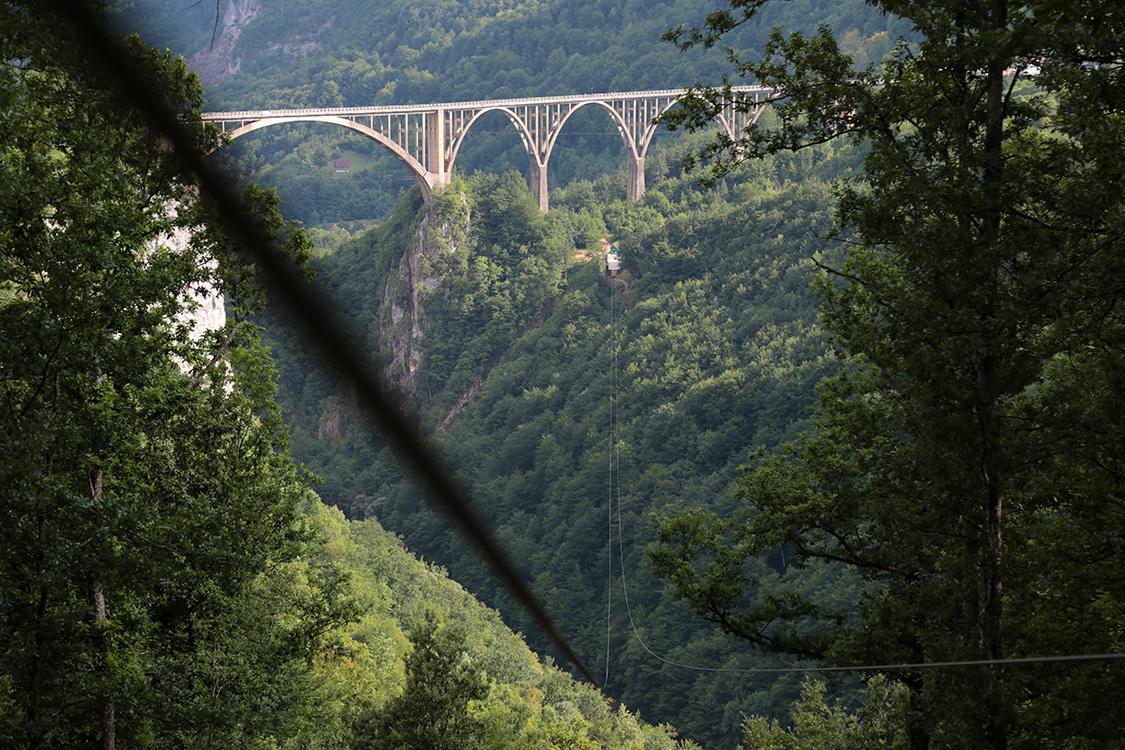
(365, 666)
(540, 373)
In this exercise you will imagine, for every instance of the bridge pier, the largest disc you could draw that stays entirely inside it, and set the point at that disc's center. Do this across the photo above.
(430, 181)
(434, 156)
(636, 189)
(539, 182)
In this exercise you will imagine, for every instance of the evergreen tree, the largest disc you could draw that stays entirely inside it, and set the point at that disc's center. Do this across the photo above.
(968, 462)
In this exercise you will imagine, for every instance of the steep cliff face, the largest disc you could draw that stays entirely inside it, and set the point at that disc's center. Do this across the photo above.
(224, 58)
(403, 333)
(440, 233)
(219, 62)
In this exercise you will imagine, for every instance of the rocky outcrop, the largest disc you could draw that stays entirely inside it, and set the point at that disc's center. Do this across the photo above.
(402, 296)
(218, 62)
(403, 332)
(205, 310)
(222, 60)
(462, 402)
(302, 44)
(209, 313)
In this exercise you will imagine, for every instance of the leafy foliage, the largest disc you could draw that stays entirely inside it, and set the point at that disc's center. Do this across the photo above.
(817, 725)
(153, 591)
(461, 673)
(979, 307)
(433, 709)
(985, 257)
(159, 579)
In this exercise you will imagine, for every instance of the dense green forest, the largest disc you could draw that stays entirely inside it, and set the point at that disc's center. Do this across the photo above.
(703, 349)
(977, 295)
(966, 462)
(169, 579)
(855, 402)
(513, 279)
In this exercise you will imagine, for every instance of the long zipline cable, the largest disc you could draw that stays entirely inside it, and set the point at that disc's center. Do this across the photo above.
(324, 329)
(613, 463)
(609, 495)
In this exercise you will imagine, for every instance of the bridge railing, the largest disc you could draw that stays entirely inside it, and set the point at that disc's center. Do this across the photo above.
(481, 104)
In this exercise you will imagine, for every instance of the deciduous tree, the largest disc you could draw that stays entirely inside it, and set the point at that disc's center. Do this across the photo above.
(433, 709)
(151, 589)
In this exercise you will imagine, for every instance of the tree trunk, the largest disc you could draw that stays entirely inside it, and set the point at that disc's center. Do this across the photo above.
(107, 721)
(992, 457)
(918, 733)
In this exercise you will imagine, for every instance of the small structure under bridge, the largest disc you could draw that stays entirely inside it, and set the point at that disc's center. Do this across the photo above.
(426, 137)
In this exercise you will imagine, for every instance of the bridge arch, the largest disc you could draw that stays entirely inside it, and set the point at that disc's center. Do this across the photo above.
(463, 130)
(539, 144)
(425, 179)
(426, 138)
(634, 146)
(538, 171)
(622, 128)
(733, 121)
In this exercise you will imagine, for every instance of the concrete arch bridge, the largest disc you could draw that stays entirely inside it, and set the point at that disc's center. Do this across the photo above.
(426, 137)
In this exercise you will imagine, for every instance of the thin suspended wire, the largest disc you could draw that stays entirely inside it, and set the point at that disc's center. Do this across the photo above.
(329, 340)
(857, 668)
(609, 494)
(614, 461)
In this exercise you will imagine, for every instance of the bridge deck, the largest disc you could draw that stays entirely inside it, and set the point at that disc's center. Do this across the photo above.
(390, 109)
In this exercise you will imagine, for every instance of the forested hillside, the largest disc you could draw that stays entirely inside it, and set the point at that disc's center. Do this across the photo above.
(426, 664)
(648, 388)
(959, 486)
(167, 577)
(711, 329)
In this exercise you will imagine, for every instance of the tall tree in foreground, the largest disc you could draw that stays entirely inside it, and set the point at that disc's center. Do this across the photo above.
(969, 462)
(149, 559)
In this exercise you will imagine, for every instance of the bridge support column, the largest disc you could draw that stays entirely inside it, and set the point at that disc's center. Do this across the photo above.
(539, 183)
(636, 189)
(434, 156)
